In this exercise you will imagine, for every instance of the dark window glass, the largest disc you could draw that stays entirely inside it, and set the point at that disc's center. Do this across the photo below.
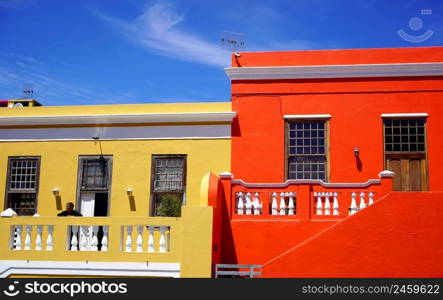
(95, 174)
(404, 135)
(309, 159)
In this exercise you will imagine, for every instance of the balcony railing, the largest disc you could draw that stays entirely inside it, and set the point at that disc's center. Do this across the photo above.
(98, 238)
(302, 199)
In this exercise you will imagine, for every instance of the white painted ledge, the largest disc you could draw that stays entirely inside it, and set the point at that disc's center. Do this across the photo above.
(405, 115)
(119, 119)
(293, 117)
(335, 71)
(83, 268)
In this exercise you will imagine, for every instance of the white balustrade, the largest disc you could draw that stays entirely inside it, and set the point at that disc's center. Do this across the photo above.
(240, 203)
(139, 239)
(18, 237)
(291, 205)
(319, 206)
(49, 239)
(248, 204)
(162, 242)
(353, 208)
(84, 236)
(151, 246)
(362, 204)
(94, 241)
(327, 204)
(274, 204)
(282, 204)
(256, 204)
(28, 237)
(335, 206)
(128, 239)
(105, 239)
(371, 198)
(74, 239)
(38, 238)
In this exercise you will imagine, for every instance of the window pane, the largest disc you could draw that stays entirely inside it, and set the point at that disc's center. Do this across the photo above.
(406, 135)
(22, 174)
(169, 174)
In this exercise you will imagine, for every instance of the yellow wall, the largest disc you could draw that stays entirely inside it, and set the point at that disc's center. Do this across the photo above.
(131, 168)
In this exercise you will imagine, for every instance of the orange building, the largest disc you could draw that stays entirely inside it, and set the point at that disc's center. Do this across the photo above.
(335, 163)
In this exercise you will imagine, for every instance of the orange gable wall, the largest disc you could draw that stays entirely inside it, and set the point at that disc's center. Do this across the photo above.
(258, 152)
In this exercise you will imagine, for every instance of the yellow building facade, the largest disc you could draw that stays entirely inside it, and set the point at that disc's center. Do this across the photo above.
(117, 164)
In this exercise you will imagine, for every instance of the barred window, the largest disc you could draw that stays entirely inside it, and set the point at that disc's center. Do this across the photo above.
(22, 184)
(404, 135)
(306, 149)
(168, 177)
(95, 174)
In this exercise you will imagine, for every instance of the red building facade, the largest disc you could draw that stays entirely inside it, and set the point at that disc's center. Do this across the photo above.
(316, 136)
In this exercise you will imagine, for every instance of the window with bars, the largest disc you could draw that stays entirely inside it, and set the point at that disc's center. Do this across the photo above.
(406, 136)
(94, 174)
(306, 149)
(22, 184)
(168, 177)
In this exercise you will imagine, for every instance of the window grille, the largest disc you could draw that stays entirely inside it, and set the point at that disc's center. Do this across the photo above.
(95, 174)
(168, 177)
(22, 185)
(404, 135)
(306, 150)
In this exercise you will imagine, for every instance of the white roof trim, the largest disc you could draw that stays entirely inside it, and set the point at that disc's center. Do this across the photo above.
(335, 71)
(119, 119)
(406, 115)
(325, 116)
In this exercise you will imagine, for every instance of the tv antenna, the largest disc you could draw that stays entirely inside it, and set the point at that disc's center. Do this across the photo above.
(28, 91)
(233, 41)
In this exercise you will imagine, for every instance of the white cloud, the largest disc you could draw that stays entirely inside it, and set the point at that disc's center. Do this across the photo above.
(156, 30)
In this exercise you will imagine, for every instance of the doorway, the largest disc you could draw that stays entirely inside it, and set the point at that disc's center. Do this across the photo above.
(405, 153)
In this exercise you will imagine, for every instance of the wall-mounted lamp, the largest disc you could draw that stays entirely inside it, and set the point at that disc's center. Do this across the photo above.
(129, 191)
(56, 191)
(237, 54)
(356, 151)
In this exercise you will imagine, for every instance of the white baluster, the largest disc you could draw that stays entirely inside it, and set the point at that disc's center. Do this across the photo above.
(151, 248)
(84, 238)
(319, 206)
(94, 241)
(327, 204)
(18, 237)
(248, 204)
(139, 239)
(362, 201)
(49, 240)
(38, 238)
(256, 204)
(291, 205)
(162, 239)
(105, 239)
(353, 207)
(335, 204)
(28, 237)
(240, 205)
(74, 240)
(371, 198)
(274, 203)
(282, 204)
(128, 239)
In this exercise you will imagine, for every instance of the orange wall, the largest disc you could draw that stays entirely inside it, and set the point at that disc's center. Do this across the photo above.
(258, 153)
(400, 236)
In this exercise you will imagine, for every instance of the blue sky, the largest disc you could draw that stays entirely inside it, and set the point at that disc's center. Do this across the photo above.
(137, 51)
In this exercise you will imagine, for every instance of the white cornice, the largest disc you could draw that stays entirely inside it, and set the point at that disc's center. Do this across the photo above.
(325, 116)
(335, 71)
(200, 117)
(405, 115)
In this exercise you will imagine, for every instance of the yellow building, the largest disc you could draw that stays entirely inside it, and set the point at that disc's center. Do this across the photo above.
(121, 165)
